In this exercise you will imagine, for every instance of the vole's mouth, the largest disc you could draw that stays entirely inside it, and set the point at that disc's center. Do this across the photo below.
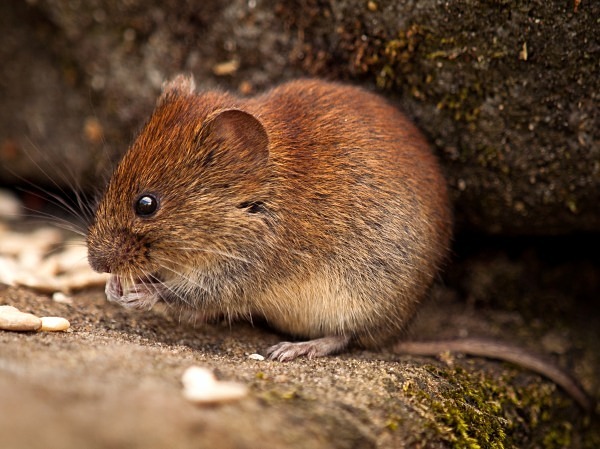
(120, 287)
(115, 286)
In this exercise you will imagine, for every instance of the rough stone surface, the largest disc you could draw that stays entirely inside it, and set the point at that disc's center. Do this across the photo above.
(506, 91)
(114, 380)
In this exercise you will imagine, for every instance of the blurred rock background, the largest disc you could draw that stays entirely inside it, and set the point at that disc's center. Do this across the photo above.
(507, 92)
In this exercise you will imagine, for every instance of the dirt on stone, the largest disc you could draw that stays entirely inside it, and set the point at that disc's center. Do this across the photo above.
(114, 379)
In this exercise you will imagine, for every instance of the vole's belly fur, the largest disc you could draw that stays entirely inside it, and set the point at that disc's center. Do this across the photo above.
(354, 300)
(322, 306)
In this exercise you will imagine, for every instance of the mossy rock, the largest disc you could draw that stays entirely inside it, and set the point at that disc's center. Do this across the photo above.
(507, 92)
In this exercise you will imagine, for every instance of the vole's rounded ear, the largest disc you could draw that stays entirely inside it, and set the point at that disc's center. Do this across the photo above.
(179, 86)
(235, 140)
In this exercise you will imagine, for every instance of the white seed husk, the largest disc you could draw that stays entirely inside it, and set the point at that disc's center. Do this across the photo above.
(61, 298)
(11, 319)
(54, 324)
(201, 387)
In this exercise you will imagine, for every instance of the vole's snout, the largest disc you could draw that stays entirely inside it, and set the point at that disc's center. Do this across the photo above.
(98, 258)
(97, 262)
(101, 253)
(113, 251)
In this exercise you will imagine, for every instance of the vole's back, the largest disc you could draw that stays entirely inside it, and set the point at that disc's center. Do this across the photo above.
(365, 207)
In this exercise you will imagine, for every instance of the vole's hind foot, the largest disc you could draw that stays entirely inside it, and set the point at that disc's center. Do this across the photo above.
(318, 347)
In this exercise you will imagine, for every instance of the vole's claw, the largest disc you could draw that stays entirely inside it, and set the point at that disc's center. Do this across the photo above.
(318, 347)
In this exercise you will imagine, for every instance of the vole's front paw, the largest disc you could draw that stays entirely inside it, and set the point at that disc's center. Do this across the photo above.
(134, 296)
(318, 347)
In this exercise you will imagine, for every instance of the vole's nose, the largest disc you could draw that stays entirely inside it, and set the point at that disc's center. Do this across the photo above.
(98, 262)
(99, 255)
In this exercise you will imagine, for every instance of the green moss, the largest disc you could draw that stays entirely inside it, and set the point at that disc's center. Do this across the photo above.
(392, 424)
(561, 436)
(479, 411)
(392, 60)
(572, 205)
(278, 396)
(461, 104)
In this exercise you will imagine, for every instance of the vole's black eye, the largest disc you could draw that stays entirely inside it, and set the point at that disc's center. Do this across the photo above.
(146, 205)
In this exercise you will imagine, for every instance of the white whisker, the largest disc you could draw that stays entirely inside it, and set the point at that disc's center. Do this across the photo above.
(59, 222)
(180, 274)
(216, 252)
(83, 212)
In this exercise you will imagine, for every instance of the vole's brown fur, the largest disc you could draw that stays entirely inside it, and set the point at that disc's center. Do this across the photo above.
(317, 206)
(320, 208)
